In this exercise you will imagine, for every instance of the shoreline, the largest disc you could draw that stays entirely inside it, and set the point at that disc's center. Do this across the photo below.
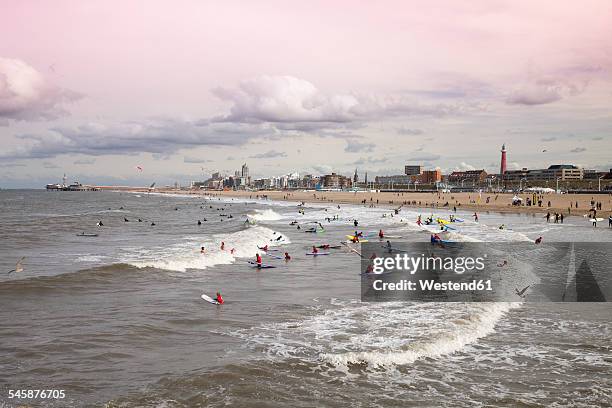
(486, 202)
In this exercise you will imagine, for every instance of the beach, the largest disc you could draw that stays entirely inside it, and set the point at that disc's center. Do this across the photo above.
(567, 204)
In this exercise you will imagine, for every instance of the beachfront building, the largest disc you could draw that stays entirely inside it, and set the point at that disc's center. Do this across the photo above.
(430, 176)
(562, 172)
(335, 181)
(413, 170)
(469, 176)
(400, 179)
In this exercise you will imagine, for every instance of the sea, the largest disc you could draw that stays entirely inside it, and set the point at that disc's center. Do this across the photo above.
(117, 319)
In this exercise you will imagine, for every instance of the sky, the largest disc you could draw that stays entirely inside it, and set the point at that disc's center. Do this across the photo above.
(181, 89)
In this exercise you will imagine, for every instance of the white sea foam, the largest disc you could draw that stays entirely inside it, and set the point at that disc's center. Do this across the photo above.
(266, 215)
(187, 255)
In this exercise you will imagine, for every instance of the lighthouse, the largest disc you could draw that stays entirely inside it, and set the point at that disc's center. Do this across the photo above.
(502, 167)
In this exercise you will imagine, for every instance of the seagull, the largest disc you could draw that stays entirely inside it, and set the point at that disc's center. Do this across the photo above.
(521, 292)
(18, 266)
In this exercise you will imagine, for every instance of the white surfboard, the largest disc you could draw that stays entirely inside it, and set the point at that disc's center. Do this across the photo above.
(209, 299)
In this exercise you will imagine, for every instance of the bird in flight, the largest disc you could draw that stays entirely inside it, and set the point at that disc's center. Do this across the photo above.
(521, 292)
(18, 266)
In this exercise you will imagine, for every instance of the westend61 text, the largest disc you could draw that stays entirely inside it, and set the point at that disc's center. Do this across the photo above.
(430, 284)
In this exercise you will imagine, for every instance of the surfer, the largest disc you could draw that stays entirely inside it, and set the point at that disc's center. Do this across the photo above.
(153, 224)
(219, 298)
(140, 220)
(435, 238)
(125, 220)
(202, 250)
(99, 224)
(538, 240)
(610, 221)
(258, 259)
(389, 246)
(287, 257)
(264, 248)
(355, 222)
(222, 245)
(315, 250)
(501, 264)
(199, 222)
(232, 251)
(381, 234)
(419, 220)
(501, 227)
(475, 217)
(324, 246)
(594, 222)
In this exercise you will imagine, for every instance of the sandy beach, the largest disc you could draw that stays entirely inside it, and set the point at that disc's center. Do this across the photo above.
(567, 204)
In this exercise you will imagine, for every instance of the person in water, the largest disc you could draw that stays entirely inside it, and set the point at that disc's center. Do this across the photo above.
(610, 221)
(258, 259)
(222, 246)
(202, 250)
(99, 224)
(233, 251)
(199, 222)
(419, 222)
(538, 240)
(475, 217)
(287, 257)
(381, 234)
(355, 223)
(435, 238)
(315, 250)
(153, 224)
(264, 248)
(219, 298)
(125, 220)
(501, 227)
(501, 264)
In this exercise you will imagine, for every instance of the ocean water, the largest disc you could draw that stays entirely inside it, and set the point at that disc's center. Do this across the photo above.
(117, 319)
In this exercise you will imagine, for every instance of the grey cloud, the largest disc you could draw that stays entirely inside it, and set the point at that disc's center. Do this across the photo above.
(408, 131)
(195, 160)
(85, 161)
(49, 165)
(545, 90)
(578, 150)
(268, 155)
(353, 146)
(369, 160)
(157, 136)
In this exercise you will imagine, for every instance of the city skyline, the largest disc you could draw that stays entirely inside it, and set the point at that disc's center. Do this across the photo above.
(292, 87)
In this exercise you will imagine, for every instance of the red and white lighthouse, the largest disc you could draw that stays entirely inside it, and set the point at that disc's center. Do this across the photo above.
(502, 168)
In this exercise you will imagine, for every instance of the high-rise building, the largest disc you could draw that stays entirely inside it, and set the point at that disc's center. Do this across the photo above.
(502, 167)
(355, 177)
(245, 171)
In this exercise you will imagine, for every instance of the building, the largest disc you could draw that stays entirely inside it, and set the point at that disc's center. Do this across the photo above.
(563, 172)
(430, 176)
(335, 181)
(502, 167)
(411, 170)
(355, 177)
(401, 179)
(472, 176)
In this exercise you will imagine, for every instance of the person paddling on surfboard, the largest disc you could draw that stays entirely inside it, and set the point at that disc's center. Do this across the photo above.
(219, 298)
(287, 257)
(315, 250)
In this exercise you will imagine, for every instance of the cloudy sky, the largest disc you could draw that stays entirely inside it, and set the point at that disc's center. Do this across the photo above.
(183, 88)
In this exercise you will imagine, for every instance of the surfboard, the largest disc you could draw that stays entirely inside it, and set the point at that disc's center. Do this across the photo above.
(358, 242)
(209, 299)
(458, 220)
(85, 234)
(260, 266)
(596, 219)
(391, 236)
(268, 250)
(318, 253)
